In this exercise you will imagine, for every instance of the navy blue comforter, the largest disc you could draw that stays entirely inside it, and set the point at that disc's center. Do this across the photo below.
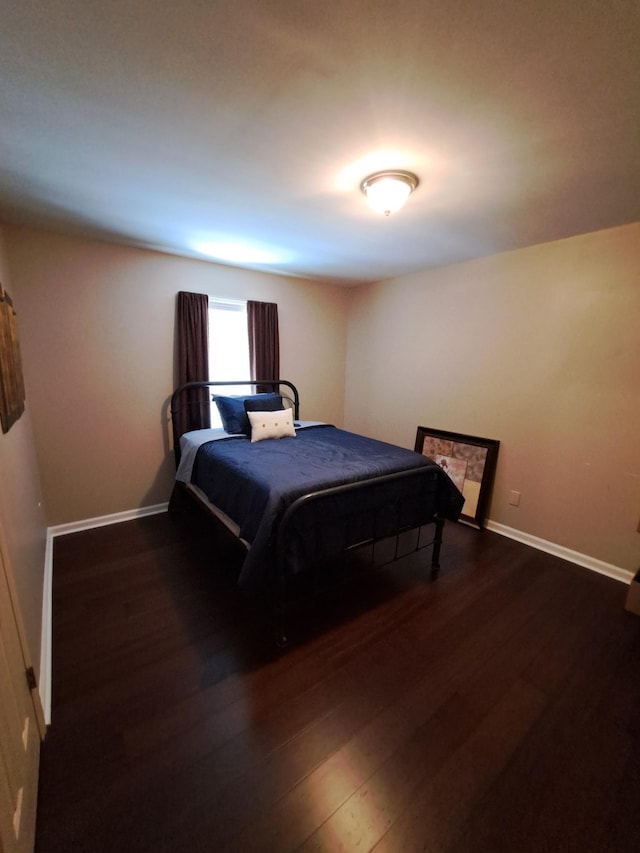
(255, 483)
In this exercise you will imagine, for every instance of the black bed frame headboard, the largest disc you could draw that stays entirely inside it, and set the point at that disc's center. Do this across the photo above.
(275, 384)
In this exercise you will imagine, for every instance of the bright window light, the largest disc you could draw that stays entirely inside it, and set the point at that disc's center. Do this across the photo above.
(243, 253)
(228, 348)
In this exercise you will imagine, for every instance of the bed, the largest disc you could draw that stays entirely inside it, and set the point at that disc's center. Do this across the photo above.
(306, 500)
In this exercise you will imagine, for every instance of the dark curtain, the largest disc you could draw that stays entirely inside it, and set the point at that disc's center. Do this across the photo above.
(193, 360)
(264, 342)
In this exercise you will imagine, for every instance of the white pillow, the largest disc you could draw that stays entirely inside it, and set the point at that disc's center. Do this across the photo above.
(271, 424)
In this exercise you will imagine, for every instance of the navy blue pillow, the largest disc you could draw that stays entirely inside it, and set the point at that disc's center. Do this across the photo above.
(266, 403)
(234, 416)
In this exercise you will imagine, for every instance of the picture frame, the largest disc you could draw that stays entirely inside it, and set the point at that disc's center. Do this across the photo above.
(12, 393)
(469, 460)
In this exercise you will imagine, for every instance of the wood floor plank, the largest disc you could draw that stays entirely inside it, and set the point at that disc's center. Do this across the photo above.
(488, 649)
(494, 709)
(432, 816)
(575, 760)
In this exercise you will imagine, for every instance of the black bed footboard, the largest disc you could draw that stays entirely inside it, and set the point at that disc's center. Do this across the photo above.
(320, 532)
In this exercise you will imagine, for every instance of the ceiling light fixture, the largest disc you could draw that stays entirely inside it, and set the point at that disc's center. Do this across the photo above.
(387, 192)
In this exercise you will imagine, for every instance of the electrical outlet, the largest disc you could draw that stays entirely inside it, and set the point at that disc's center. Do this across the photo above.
(514, 498)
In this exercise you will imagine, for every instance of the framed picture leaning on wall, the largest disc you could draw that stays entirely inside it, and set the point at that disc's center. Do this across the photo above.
(469, 461)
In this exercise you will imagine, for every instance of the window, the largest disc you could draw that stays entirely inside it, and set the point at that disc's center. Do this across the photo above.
(228, 348)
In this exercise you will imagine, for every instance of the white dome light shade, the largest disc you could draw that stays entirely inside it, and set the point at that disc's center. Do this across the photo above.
(387, 192)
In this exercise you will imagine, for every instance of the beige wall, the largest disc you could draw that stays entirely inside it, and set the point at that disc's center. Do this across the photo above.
(22, 521)
(97, 327)
(539, 348)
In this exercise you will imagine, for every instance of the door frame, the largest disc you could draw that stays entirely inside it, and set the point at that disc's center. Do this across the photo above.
(7, 568)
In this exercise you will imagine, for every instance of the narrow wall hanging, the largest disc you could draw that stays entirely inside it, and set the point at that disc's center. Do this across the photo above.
(12, 393)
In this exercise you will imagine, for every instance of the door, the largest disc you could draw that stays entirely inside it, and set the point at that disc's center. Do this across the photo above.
(19, 734)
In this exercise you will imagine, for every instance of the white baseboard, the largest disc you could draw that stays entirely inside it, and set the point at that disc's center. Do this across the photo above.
(583, 560)
(104, 520)
(44, 682)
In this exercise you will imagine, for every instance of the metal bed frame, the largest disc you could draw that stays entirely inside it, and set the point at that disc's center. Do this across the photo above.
(393, 542)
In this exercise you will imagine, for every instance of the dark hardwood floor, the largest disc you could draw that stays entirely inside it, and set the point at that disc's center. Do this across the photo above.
(495, 709)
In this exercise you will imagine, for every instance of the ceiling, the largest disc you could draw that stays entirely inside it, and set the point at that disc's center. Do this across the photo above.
(240, 130)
